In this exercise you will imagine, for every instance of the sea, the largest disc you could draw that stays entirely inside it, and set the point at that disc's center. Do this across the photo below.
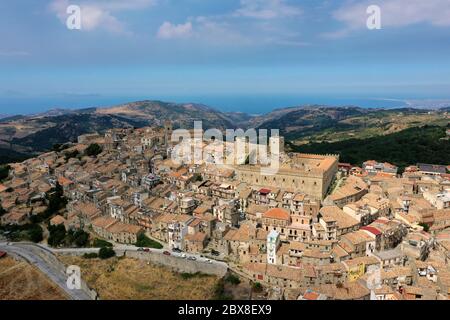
(248, 103)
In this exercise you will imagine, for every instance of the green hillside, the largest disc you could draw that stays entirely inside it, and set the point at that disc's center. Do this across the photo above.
(426, 144)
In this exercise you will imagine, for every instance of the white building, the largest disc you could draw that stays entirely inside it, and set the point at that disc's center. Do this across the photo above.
(438, 200)
(273, 243)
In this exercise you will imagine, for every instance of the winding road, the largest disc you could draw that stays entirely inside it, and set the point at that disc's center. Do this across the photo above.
(44, 258)
(46, 262)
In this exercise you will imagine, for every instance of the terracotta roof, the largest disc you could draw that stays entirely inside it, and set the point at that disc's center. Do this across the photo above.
(63, 181)
(310, 295)
(277, 213)
(103, 222)
(372, 230)
(57, 220)
(196, 237)
(123, 227)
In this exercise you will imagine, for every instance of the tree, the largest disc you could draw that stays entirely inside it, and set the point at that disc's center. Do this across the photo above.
(144, 241)
(56, 202)
(36, 233)
(106, 253)
(257, 287)
(4, 172)
(231, 278)
(93, 150)
(91, 255)
(99, 243)
(81, 238)
(57, 235)
(425, 226)
(71, 154)
(197, 177)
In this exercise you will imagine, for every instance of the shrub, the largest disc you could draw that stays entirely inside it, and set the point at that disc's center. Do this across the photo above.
(186, 275)
(57, 235)
(92, 255)
(257, 287)
(231, 278)
(79, 238)
(425, 226)
(106, 253)
(219, 291)
(93, 150)
(72, 154)
(144, 241)
(4, 172)
(100, 243)
(36, 233)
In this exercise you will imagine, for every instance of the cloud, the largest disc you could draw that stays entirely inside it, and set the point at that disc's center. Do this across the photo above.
(100, 14)
(13, 53)
(170, 31)
(394, 13)
(266, 9)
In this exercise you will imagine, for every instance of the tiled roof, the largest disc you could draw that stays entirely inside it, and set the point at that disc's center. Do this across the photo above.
(277, 213)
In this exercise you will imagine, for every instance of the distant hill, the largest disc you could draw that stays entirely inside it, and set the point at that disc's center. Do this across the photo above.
(66, 128)
(427, 144)
(26, 135)
(182, 115)
(8, 156)
(320, 123)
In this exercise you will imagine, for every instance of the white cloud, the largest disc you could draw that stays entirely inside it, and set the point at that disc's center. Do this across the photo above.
(100, 14)
(266, 9)
(13, 53)
(169, 31)
(394, 13)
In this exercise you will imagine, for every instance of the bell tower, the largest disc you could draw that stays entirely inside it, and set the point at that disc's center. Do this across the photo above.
(168, 128)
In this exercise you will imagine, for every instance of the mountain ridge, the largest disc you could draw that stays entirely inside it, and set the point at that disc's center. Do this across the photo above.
(30, 134)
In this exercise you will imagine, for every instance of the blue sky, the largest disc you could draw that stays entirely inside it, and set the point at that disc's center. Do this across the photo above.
(197, 49)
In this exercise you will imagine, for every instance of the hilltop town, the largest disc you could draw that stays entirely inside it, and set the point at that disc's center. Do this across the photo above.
(318, 229)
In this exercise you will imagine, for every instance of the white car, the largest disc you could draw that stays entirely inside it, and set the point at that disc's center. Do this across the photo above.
(209, 261)
(183, 255)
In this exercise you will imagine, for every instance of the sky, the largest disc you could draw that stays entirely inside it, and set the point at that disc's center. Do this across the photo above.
(239, 55)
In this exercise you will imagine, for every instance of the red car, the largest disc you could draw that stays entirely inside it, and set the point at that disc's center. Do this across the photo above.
(167, 253)
(146, 250)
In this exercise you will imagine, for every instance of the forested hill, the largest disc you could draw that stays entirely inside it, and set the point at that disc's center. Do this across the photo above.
(427, 144)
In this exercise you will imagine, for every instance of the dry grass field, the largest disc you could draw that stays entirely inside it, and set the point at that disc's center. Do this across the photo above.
(129, 279)
(21, 281)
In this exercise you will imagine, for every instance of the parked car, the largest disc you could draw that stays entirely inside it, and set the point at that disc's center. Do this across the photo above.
(167, 253)
(140, 249)
(176, 250)
(146, 250)
(215, 253)
(209, 261)
(183, 256)
(192, 258)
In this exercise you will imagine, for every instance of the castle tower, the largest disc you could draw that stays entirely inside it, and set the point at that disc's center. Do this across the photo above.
(168, 128)
(274, 141)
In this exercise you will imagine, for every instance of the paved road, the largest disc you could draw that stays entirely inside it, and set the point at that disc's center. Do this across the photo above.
(45, 261)
(122, 248)
(43, 257)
